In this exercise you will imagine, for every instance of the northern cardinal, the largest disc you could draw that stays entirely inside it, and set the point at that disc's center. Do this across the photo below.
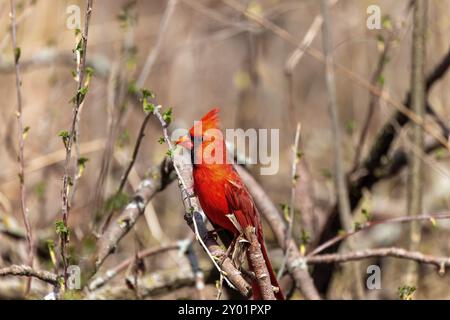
(220, 189)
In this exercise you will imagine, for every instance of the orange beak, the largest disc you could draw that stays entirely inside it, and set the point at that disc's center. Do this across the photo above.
(186, 142)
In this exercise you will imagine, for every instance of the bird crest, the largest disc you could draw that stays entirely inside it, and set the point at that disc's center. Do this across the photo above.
(209, 121)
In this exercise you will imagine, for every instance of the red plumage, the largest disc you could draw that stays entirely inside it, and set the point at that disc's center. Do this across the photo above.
(221, 190)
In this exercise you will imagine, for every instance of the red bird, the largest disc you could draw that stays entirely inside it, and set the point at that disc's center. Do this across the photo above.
(220, 189)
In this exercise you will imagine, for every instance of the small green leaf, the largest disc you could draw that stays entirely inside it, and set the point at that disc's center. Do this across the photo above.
(117, 201)
(123, 139)
(433, 222)
(285, 208)
(51, 251)
(132, 87)
(25, 132)
(40, 190)
(61, 228)
(79, 47)
(326, 173)
(70, 181)
(167, 116)
(148, 107)
(89, 72)
(147, 94)
(64, 134)
(81, 162)
(161, 140)
(17, 54)
(351, 126)
(381, 80)
(81, 94)
(386, 22)
(440, 153)
(305, 237)
(406, 292)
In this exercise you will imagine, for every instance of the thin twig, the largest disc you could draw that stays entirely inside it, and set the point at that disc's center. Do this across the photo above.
(21, 133)
(382, 61)
(294, 179)
(157, 178)
(310, 35)
(101, 280)
(367, 225)
(154, 52)
(415, 172)
(340, 182)
(127, 171)
(79, 97)
(440, 262)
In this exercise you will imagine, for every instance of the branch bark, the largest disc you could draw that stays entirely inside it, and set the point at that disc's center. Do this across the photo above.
(27, 271)
(345, 212)
(440, 262)
(156, 180)
(69, 140)
(101, 280)
(269, 211)
(415, 175)
(21, 133)
(258, 264)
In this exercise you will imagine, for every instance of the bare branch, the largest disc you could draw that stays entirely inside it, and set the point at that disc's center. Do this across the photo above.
(27, 271)
(382, 61)
(130, 165)
(21, 134)
(440, 262)
(340, 182)
(154, 52)
(368, 225)
(156, 180)
(415, 172)
(294, 178)
(100, 281)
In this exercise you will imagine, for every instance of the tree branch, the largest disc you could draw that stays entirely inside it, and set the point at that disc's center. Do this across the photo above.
(21, 133)
(440, 262)
(269, 211)
(27, 271)
(70, 138)
(156, 180)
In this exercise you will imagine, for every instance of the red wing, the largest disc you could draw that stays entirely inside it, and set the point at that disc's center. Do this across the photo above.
(240, 203)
